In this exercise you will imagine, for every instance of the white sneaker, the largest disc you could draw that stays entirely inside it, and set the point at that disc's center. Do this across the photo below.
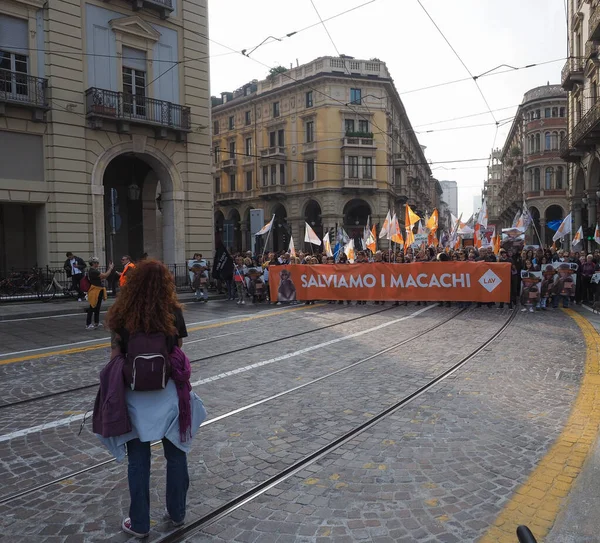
(238, 302)
(79, 300)
(90, 327)
(531, 309)
(166, 516)
(99, 325)
(243, 302)
(523, 310)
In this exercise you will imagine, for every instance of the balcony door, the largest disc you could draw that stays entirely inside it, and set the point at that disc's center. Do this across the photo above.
(134, 82)
(14, 65)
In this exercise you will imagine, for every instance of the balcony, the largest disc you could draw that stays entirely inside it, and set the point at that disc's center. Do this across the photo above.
(310, 147)
(229, 198)
(399, 159)
(586, 133)
(591, 50)
(24, 91)
(359, 139)
(572, 73)
(269, 192)
(354, 184)
(569, 153)
(276, 152)
(248, 159)
(126, 109)
(163, 7)
(229, 164)
(594, 25)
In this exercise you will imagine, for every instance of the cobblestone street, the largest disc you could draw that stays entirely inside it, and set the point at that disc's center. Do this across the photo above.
(441, 468)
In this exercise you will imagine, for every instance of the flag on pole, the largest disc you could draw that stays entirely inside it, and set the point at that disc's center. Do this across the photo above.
(597, 234)
(349, 251)
(578, 236)
(327, 245)
(266, 228)
(291, 248)
(385, 229)
(411, 217)
(553, 245)
(482, 219)
(432, 223)
(477, 237)
(516, 219)
(371, 241)
(563, 229)
(496, 242)
(366, 232)
(396, 236)
(420, 229)
(310, 236)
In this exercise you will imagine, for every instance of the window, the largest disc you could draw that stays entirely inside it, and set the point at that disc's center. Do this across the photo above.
(215, 127)
(398, 177)
(231, 122)
(547, 113)
(349, 125)
(276, 111)
(561, 138)
(363, 126)
(248, 146)
(281, 138)
(217, 185)
(559, 177)
(353, 166)
(536, 179)
(134, 82)
(562, 112)
(310, 131)
(554, 140)
(310, 171)
(248, 117)
(309, 99)
(265, 176)
(555, 112)
(272, 139)
(355, 96)
(217, 154)
(537, 143)
(232, 149)
(249, 180)
(231, 182)
(579, 111)
(14, 35)
(547, 141)
(282, 174)
(549, 178)
(367, 167)
(538, 114)
(274, 174)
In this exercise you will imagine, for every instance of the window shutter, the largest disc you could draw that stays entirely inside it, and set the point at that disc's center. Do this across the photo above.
(14, 35)
(134, 58)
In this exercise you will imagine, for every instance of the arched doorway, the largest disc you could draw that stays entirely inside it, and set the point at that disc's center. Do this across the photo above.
(280, 234)
(535, 215)
(231, 232)
(145, 213)
(589, 199)
(356, 214)
(219, 222)
(554, 216)
(312, 215)
(133, 209)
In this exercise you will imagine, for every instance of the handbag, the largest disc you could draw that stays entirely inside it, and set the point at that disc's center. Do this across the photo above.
(84, 284)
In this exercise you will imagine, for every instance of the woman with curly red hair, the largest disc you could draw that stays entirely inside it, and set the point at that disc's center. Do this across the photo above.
(130, 417)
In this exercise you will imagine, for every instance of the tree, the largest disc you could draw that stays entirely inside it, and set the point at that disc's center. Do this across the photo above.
(276, 70)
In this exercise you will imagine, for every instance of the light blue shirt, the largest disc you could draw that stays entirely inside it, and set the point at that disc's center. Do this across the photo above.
(155, 414)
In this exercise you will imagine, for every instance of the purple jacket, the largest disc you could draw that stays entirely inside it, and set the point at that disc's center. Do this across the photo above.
(111, 418)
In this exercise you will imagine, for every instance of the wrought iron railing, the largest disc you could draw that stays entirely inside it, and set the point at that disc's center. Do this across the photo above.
(140, 109)
(20, 88)
(594, 24)
(587, 122)
(572, 65)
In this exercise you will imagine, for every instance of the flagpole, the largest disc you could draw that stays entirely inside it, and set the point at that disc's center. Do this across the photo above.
(268, 234)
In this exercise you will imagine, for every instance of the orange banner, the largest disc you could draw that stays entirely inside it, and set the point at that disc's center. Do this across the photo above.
(420, 281)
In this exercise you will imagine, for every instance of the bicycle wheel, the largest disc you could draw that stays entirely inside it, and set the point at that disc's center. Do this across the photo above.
(46, 290)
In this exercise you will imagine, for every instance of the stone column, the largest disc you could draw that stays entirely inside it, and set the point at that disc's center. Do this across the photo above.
(98, 222)
(173, 227)
(542, 232)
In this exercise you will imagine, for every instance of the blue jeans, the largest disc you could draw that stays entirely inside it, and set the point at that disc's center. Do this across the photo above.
(556, 299)
(138, 473)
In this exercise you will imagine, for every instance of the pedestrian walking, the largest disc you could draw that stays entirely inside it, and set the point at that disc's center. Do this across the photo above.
(96, 292)
(131, 409)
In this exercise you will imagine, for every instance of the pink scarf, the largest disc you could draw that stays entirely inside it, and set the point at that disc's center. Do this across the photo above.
(180, 373)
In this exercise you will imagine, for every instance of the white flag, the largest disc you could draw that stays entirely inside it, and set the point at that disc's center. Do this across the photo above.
(385, 229)
(310, 236)
(327, 245)
(597, 234)
(291, 248)
(578, 236)
(482, 219)
(563, 229)
(266, 228)
(349, 251)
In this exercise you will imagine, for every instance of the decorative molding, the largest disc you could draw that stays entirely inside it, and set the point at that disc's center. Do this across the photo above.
(139, 143)
(135, 26)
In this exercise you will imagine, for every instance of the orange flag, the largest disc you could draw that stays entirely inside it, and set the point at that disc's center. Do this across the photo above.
(477, 237)
(432, 240)
(432, 223)
(411, 217)
(496, 243)
(372, 240)
(395, 231)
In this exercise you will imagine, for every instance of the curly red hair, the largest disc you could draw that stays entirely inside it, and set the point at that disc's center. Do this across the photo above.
(147, 301)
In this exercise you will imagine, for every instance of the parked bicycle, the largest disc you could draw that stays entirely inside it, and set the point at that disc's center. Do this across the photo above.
(51, 286)
(25, 284)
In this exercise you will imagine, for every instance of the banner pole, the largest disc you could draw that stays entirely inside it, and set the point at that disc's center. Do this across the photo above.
(268, 234)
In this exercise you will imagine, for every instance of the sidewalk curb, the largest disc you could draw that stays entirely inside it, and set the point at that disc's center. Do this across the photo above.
(29, 311)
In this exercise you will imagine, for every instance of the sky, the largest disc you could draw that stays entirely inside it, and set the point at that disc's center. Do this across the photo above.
(484, 33)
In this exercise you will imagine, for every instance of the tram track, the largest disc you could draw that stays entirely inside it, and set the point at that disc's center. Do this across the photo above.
(201, 359)
(196, 526)
(26, 492)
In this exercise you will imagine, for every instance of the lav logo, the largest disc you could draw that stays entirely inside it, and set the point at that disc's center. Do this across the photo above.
(489, 280)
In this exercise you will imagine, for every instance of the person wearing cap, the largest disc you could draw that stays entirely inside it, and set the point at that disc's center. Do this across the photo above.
(96, 292)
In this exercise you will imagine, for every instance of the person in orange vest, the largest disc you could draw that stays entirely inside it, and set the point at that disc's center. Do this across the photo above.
(128, 265)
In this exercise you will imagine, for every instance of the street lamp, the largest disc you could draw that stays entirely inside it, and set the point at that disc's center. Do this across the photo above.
(133, 192)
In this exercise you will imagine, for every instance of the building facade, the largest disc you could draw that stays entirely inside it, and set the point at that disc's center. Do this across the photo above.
(532, 170)
(328, 142)
(104, 131)
(450, 195)
(579, 77)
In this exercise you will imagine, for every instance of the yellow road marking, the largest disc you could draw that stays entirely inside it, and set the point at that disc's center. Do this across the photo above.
(537, 502)
(75, 350)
